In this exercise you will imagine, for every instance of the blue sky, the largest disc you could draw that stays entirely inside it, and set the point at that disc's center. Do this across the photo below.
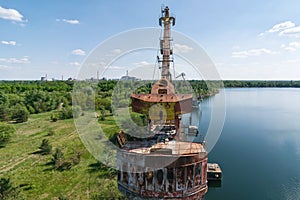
(245, 39)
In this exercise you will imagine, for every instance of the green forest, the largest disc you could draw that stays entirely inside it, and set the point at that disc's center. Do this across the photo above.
(41, 153)
(258, 84)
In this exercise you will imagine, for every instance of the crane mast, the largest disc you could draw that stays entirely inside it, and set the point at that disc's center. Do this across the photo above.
(165, 43)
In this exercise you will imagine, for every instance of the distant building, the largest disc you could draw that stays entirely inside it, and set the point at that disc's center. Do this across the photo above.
(44, 78)
(128, 78)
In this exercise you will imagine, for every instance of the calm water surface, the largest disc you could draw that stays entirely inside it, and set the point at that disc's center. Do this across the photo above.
(259, 148)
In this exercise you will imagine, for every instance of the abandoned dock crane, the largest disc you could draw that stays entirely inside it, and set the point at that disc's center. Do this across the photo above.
(162, 165)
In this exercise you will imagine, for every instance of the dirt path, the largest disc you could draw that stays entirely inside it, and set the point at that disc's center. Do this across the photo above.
(14, 164)
(27, 156)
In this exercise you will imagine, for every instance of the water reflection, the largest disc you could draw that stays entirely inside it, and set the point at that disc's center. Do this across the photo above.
(200, 117)
(215, 184)
(259, 146)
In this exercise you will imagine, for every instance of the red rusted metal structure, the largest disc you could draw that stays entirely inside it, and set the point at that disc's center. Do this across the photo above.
(162, 166)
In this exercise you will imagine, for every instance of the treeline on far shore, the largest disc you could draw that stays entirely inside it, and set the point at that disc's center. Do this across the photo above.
(19, 99)
(254, 84)
(52, 85)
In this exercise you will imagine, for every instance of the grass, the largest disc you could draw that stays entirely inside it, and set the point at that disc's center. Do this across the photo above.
(35, 174)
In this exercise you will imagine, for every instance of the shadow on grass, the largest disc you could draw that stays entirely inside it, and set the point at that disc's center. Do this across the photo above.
(102, 170)
(25, 186)
(37, 152)
(49, 165)
(64, 166)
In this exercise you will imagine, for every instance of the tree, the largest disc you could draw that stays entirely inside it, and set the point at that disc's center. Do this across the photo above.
(3, 98)
(8, 191)
(6, 131)
(100, 101)
(45, 147)
(53, 117)
(102, 112)
(59, 161)
(4, 112)
(20, 113)
(57, 158)
(66, 113)
(76, 111)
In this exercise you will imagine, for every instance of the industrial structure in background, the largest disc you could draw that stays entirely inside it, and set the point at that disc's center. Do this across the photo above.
(161, 164)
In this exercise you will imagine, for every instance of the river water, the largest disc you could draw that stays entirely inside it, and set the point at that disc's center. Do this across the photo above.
(259, 147)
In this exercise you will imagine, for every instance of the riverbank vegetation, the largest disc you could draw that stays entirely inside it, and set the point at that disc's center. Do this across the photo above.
(259, 84)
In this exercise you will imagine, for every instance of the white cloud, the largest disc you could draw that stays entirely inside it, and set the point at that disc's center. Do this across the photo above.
(13, 43)
(76, 64)
(182, 48)
(292, 46)
(78, 52)
(143, 64)
(10, 14)
(295, 31)
(289, 48)
(69, 21)
(24, 60)
(295, 44)
(281, 26)
(287, 28)
(252, 52)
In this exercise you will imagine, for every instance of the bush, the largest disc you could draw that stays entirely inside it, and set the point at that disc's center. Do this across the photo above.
(6, 131)
(8, 191)
(66, 113)
(53, 117)
(31, 110)
(76, 158)
(59, 161)
(45, 147)
(4, 113)
(77, 111)
(20, 114)
(102, 113)
(57, 158)
(65, 165)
